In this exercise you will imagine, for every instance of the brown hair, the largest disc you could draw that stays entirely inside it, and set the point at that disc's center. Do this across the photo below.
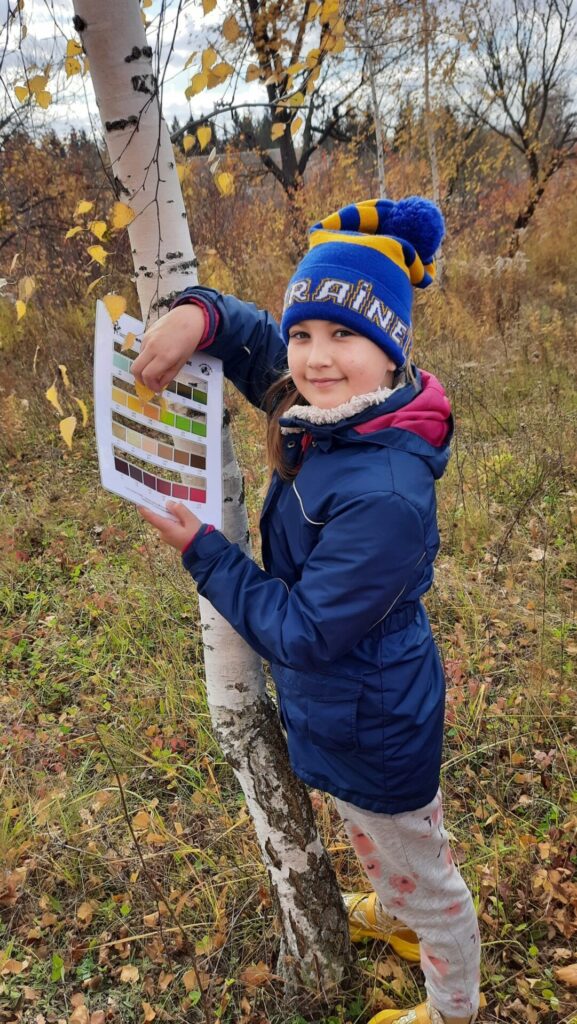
(279, 398)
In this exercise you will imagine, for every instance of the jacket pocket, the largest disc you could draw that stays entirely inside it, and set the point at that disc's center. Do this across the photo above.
(325, 708)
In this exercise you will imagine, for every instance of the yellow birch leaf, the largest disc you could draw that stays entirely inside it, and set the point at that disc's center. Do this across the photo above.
(94, 283)
(212, 80)
(188, 143)
(252, 72)
(329, 9)
(97, 253)
(73, 48)
(208, 6)
(115, 305)
(278, 129)
(312, 57)
(297, 123)
(73, 231)
(337, 45)
(64, 375)
(295, 68)
(52, 395)
(208, 57)
(122, 215)
(22, 92)
(147, 3)
(20, 309)
(297, 100)
(84, 206)
(67, 428)
(181, 172)
(72, 66)
(37, 83)
(44, 99)
(222, 70)
(190, 59)
(149, 1012)
(144, 393)
(26, 288)
(128, 343)
(339, 27)
(231, 28)
(197, 84)
(98, 228)
(82, 406)
(225, 183)
(204, 135)
(313, 10)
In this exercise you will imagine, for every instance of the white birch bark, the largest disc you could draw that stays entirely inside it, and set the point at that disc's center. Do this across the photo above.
(368, 47)
(429, 128)
(316, 949)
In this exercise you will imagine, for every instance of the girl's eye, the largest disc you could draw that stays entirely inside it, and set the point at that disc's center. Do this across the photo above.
(342, 332)
(298, 336)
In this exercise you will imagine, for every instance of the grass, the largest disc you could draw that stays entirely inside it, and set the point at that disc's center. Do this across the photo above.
(101, 667)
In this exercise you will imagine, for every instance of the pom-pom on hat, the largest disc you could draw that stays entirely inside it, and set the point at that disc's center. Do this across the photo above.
(362, 265)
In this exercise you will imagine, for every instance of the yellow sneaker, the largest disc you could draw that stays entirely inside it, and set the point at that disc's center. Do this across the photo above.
(424, 1013)
(368, 920)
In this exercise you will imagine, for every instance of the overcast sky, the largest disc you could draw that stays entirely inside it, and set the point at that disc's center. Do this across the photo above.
(49, 25)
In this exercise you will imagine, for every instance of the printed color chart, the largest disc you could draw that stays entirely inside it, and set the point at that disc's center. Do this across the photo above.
(168, 446)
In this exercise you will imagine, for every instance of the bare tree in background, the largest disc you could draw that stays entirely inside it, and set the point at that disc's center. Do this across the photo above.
(523, 52)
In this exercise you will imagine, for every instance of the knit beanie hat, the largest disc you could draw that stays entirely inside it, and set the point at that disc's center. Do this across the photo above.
(361, 267)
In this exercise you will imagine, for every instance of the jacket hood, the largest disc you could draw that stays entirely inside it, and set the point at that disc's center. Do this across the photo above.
(414, 418)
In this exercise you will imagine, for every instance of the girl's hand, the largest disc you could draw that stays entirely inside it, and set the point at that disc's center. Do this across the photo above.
(177, 534)
(166, 346)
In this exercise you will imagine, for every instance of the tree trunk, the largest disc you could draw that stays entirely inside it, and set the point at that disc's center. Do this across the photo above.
(429, 129)
(316, 947)
(368, 44)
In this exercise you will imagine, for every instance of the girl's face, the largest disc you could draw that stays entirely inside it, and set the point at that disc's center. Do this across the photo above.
(330, 364)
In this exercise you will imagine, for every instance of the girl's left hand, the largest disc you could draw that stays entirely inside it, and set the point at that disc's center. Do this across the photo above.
(177, 534)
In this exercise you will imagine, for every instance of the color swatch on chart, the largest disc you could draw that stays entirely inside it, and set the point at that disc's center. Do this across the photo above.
(167, 446)
(167, 488)
(160, 448)
(155, 412)
(194, 391)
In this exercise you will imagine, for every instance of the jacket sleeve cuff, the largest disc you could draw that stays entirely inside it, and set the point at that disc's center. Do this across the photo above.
(187, 551)
(210, 313)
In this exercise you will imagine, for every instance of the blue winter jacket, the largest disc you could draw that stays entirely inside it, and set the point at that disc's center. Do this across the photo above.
(348, 550)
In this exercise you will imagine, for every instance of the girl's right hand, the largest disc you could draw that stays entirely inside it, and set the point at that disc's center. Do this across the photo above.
(166, 346)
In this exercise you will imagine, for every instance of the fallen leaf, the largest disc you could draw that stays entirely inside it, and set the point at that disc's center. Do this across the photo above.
(12, 966)
(256, 975)
(83, 410)
(52, 395)
(129, 973)
(79, 1015)
(67, 428)
(98, 254)
(64, 375)
(567, 975)
(536, 554)
(84, 206)
(85, 912)
(20, 309)
(149, 1013)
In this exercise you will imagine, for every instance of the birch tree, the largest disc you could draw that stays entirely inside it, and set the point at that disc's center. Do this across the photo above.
(315, 950)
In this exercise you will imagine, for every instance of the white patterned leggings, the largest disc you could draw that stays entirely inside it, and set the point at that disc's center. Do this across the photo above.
(408, 861)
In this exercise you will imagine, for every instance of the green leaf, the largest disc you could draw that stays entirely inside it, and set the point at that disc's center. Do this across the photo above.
(57, 968)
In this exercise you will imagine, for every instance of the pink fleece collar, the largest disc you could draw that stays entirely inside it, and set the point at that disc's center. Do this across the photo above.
(428, 415)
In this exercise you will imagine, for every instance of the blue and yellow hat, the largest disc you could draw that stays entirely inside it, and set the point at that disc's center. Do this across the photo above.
(361, 268)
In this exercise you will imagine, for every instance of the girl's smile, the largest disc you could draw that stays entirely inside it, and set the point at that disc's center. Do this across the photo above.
(330, 364)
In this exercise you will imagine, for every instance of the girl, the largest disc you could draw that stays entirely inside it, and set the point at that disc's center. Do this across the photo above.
(357, 438)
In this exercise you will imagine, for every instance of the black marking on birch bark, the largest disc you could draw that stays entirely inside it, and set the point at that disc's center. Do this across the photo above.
(273, 855)
(226, 417)
(79, 23)
(241, 496)
(180, 268)
(301, 942)
(137, 53)
(149, 273)
(174, 255)
(144, 83)
(119, 188)
(143, 268)
(247, 537)
(227, 501)
(121, 124)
